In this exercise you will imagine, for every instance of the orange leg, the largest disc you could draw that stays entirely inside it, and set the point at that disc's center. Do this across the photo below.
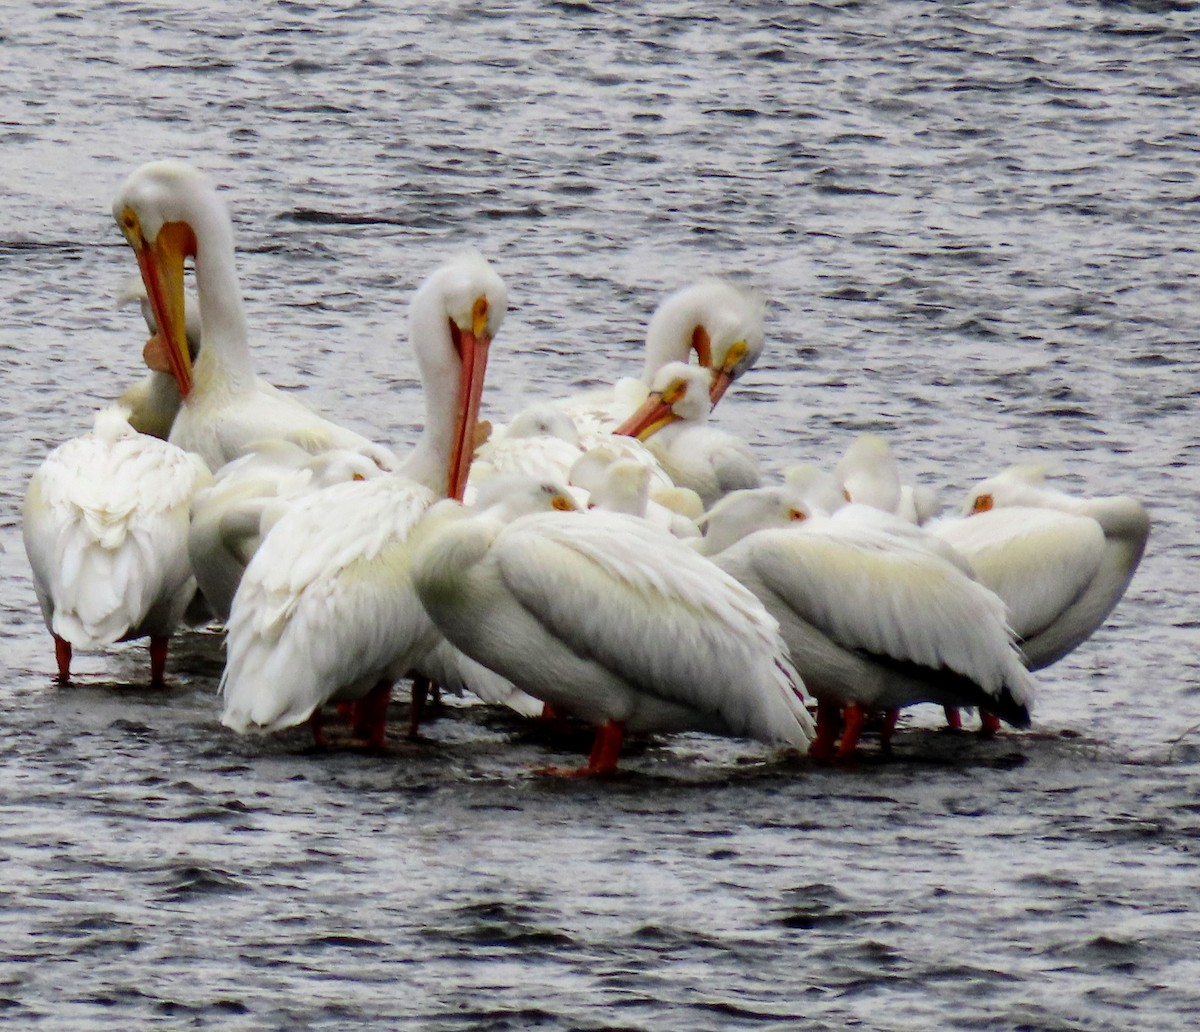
(854, 715)
(371, 715)
(953, 718)
(606, 750)
(158, 661)
(62, 655)
(989, 724)
(829, 725)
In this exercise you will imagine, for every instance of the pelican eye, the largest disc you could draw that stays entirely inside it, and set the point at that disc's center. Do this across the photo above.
(358, 476)
(797, 514)
(479, 315)
(675, 391)
(982, 503)
(562, 503)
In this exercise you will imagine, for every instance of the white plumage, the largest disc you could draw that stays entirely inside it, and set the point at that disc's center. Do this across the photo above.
(168, 212)
(877, 617)
(1060, 563)
(105, 527)
(615, 622)
(325, 611)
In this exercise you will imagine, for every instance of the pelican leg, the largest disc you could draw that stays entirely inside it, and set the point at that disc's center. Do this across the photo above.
(953, 718)
(370, 717)
(989, 724)
(419, 696)
(316, 724)
(829, 725)
(854, 715)
(62, 656)
(889, 728)
(158, 661)
(606, 750)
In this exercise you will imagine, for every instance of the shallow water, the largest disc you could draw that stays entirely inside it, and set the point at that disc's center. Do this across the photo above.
(974, 225)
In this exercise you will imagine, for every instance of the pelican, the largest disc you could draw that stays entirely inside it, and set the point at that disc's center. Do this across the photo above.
(874, 615)
(617, 484)
(868, 474)
(105, 527)
(671, 422)
(169, 211)
(1060, 563)
(153, 401)
(614, 622)
(231, 516)
(325, 611)
(718, 322)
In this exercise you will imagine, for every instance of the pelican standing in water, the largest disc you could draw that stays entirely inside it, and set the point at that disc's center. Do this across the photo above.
(875, 615)
(105, 526)
(168, 212)
(326, 610)
(615, 622)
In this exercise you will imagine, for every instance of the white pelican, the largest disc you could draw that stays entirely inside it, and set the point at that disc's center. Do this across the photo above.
(325, 611)
(614, 622)
(231, 516)
(1060, 563)
(874, 616)
(154, 400)
(869, 474)
(540, 441)
(169, 211)
(105, 526)
(671, 422)
(718, 322)
(617, 484)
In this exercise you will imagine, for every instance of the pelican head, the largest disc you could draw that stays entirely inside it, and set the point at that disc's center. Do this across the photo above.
(678, 392)
(463, 303)
(162, 209)
(1017, 485)
(741, 513)
(722, 324)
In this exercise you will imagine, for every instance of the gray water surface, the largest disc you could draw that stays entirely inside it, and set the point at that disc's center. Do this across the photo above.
(975, 225)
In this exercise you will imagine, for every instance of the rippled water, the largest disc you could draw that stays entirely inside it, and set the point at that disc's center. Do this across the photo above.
(976, 227)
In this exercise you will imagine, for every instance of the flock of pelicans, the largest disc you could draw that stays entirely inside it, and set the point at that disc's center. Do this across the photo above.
(616, 560)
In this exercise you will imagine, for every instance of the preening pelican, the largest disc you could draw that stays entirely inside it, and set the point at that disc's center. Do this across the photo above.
(1060, 563)
(874, 616)
(718, 322)
(671, 422)
(105, 526)
(168, 212)
(608, 619)
(617, 484)
(326, 611)
(154, 400)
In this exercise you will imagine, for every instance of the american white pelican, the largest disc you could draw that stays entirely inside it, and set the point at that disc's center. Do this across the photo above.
(540, 441)
(1061, 563)
(614, 622)
(105, 526)
(154, 400)
(247, 497)
(874, 616)
(718, 322)
(869, 474)
(168, 212)
(617, 484)
(671, 422)
(325, 611)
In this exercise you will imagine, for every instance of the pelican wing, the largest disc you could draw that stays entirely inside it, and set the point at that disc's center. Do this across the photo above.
(1039, 561)
(644, 606)
(882, 595)
(326, 607)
